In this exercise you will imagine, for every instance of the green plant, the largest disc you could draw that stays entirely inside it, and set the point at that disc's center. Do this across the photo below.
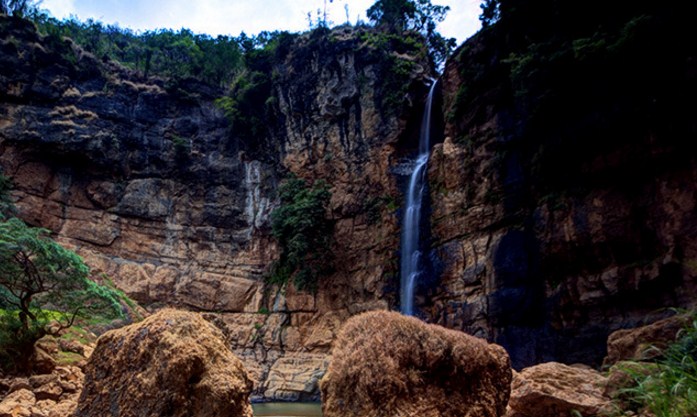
(303, 231)
(43, 289)
(668, 387)
(7, 207)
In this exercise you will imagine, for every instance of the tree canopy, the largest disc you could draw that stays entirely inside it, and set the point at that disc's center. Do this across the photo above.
(397, 16)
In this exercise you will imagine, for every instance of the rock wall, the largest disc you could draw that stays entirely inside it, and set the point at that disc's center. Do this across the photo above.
(564, 211)
(554, 219)
(148, 182)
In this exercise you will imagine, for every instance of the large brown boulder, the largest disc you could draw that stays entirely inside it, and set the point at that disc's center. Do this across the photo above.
(557, 390)
(174, 363)
(644, 342)
(386, 364)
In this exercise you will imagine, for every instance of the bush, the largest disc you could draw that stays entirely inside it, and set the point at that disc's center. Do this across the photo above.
(667, 388)
(303, 232)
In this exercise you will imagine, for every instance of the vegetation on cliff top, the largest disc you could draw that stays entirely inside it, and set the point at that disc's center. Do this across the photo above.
(219, 60)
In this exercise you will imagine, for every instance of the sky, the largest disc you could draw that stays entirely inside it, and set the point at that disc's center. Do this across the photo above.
(230, 17)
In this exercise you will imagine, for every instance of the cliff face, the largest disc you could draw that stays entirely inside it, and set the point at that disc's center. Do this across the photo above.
(148, 182)
(564, 195)
(562, 199)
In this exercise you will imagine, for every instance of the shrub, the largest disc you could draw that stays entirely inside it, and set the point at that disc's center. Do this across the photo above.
(667, 388)
(304, 233)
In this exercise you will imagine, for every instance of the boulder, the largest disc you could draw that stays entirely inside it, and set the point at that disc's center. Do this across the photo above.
(174, 363)
(387, 364)
(43, 361)
(639, 343)
(557, 390)
(18, 404)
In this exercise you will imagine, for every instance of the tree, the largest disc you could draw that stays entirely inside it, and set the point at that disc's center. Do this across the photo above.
(303, 232)
(490, 12)
(397, 16)
(394, 15)
(17, 7)
(44, 287)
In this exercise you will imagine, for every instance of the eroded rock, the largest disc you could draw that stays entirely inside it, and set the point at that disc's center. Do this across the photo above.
(639, 343)
(557, 390)
(18, 404)
(386, 364)
(173, 363)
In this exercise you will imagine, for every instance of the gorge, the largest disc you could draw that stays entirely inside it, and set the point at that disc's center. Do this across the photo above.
(561, 197)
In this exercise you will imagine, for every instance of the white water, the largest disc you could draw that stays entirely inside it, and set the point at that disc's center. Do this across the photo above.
(256, 206)
(411, 255)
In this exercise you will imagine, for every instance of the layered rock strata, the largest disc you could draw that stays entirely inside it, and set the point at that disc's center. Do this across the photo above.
(146, 179)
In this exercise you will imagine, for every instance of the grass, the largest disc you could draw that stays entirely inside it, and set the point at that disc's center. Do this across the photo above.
(68, 358)
(668, 387)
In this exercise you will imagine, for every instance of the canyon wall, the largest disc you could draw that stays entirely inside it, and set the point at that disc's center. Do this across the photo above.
(147, 180)
(562, 192)
(564, 195)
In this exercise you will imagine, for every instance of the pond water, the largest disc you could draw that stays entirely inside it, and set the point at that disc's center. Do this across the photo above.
(287, 410)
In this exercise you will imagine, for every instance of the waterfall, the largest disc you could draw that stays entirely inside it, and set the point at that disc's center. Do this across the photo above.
(256, 205)
(411, 255)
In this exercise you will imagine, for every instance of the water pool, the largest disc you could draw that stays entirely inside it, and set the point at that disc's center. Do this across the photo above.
(287, 410)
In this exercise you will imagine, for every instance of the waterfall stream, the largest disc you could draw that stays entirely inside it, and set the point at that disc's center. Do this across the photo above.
(410, 266)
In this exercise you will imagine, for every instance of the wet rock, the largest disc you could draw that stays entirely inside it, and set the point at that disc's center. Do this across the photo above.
(386, 364)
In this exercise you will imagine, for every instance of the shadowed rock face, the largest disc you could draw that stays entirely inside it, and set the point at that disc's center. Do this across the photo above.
(564, 209)
(386, 364)
(173, 363)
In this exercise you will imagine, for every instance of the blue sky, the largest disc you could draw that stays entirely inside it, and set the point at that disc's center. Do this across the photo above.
(230, 17)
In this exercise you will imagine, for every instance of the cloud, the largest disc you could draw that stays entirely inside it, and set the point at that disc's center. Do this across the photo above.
(59, 8)
(230, 17)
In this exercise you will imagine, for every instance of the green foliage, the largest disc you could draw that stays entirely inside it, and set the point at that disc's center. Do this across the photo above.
(396, 70)
(41, 283)
(304, 233)
(18, 7)
(178, 54)
(7, 207)
(251, 103)
(490, 12)
(419, 16)
(669, 387)
(17, 341)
